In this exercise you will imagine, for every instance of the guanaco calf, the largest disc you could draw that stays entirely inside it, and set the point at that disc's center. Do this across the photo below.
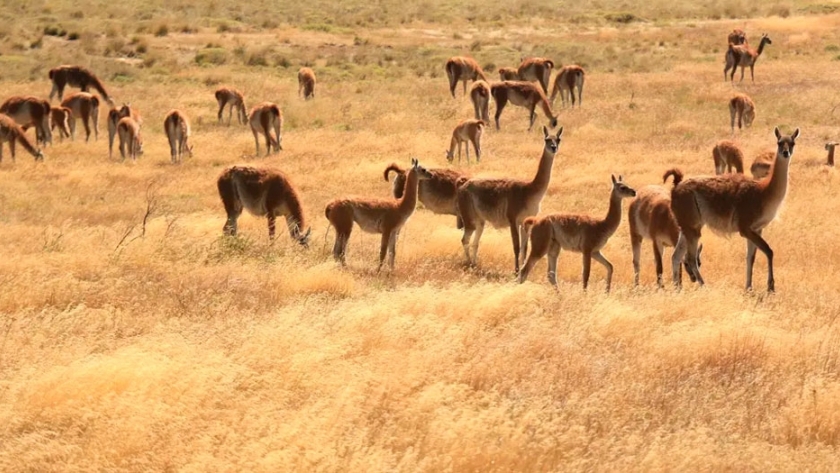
(29, 111)
(306, 83)
(743, 107)
(468, 131)
(130, 141)
(438, 193)
(177, 129)
(727, 156)
(508, 73)
(264, 192)
(60, 118)
(114, 117)
(264, 118)
(375, 216)
(233, 99)
(762, 164)
(744, 56)
(463, 69)
(12, 133)
(728, 204)
(522, 94)
(577, 233)
(536, 69)
(84, 106)
(830, 148)
(567, 80)
(480, 97)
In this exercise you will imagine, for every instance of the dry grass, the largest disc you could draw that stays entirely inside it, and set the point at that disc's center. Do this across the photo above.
(169, 347)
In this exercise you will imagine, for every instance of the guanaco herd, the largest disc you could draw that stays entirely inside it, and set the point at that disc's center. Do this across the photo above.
(727, 202)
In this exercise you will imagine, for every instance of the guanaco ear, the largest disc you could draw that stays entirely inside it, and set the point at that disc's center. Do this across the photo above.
(795, 134)
(620, 178)
(545, 131)
(778, 135)
(613, 178)
(559, 132)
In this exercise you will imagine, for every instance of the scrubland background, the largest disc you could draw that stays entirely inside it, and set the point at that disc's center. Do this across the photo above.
(162, 346)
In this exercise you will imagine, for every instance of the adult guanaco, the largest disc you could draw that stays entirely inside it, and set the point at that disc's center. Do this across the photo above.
(264, 118)
(438, 193)
(386, 217)
(83, 106)
(177, 129)
(76, 76)
(464, 69)
(12, 133)
(480, 97)
(60, 118)
(114, 117)
(131, 142)
(577, 233)
(306, 83)
(264, 192)
(727, 156)
(536, 69)
(762, 164)
(744, 108)
(468, 131)
(505, 202)
(731, 203)
(523, 94)
(567, 80)
(743, 56)
(234, 100)
(508, 73)
(29, 111)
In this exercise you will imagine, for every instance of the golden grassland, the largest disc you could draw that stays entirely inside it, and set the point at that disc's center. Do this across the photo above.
(164, 346)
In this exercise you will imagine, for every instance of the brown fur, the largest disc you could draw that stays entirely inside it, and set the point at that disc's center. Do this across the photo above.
(29, 111)
(306, 83)
(76, 76)
(386, 217)
(480, 97)
(536, 69)
(737, 37)
(744, 108)
(744, 56)
(731, 203)
(86, 107)
(508, 73)
(567, 80)
(830, 148)
(577, 233)
(728, 156)
(177, 129)
(130, 140)
(235, 101)
(114, 117)
(60, 118)
(464, 69)
(12, 133)
(438, 193)
(523, 94)
(505, 202)
(264, 118)
(468, 131)
(763, 164)
(263, 192)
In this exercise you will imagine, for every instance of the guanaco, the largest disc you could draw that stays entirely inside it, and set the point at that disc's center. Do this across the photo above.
(737, 37)
(728, 156)
(86, 107)
(177, 129)
(438, 193)
(567, 80)
(60, 118)
(114, 117)
(76, 76)
(306, 83)
(234, 100)
(577, 233)
(12, 133)
(463, 69)
(29, 111)
(743, 56)
(505, 202)
(375, 216)
(762, 164)
(830, 148)
(263, 192)
(731, 203)
(468, 131)
(744, 108)
(264, 118)
(508, 73)
(523, 94)
(536, 69)
(480, 97)
(131, 142)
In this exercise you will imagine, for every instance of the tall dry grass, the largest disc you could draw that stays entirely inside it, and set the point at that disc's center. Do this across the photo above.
(165, 346)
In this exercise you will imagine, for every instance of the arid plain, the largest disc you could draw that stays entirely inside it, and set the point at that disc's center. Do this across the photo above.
(135, 337)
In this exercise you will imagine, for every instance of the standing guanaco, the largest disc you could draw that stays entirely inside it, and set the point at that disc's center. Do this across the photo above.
(468, 131)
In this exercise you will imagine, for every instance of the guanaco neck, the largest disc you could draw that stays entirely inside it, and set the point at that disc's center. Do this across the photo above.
(613, 218)
(409, 199)
(831, 155)
(540, 183)
(295, 220)
(761, 47)
(776, 187)
(453, 144)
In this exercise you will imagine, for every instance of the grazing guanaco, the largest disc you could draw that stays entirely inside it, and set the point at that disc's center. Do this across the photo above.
(744, 56)
(468, 131)
(130, 140)
(114, 117)
(762, 164)
(86, 107)
(737, 37)
(60, 118)
(536, 69)
(523, 94)
(830, 148)
(375, 216)
(650, 217)
(728, 156)
(306, 83)
(567, 80)
(508, 73)
(480, 96)
(438, 193)
(12, 133)
(505, 202)
(264, 192)
(728, 204)
(577, 233)
(76, 76)
(29, 111)
(264, 118)
(464, 69)
(177, 129)
(744, 108)
(234, 100)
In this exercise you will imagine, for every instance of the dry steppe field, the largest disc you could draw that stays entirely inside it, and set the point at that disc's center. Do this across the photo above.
(135, 337)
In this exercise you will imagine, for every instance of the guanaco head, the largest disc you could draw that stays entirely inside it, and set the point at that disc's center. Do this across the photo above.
(749, 116)
(552, 143)
(766, 39)
(621, 189)
(39, 155)
(303, 238)
(422, 173)
(830, 146)
(685, 263)
(785, 143)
